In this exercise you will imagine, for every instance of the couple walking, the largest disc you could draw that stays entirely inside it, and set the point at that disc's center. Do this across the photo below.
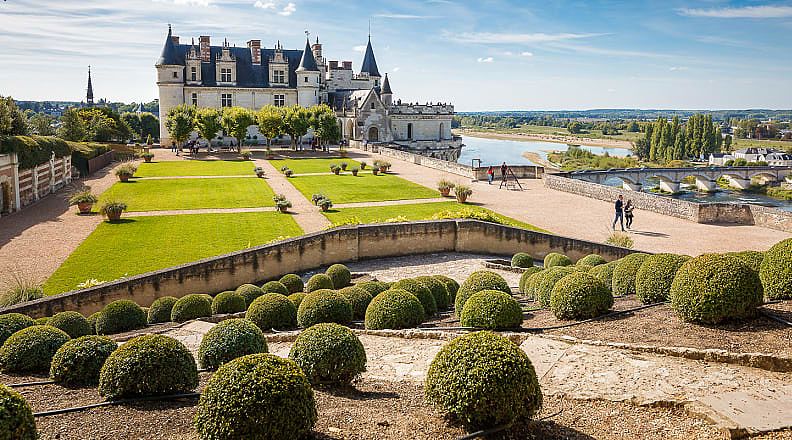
(491, 173)
(623, 210)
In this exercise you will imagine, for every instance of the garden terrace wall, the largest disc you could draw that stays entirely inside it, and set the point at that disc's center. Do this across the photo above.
(311, 251)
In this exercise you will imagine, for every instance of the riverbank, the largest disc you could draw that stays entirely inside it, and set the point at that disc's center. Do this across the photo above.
(573, 140)
(539, 160)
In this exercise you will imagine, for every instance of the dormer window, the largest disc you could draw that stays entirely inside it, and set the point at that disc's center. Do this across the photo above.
(225, 74)
(193, 73)
(279, 76)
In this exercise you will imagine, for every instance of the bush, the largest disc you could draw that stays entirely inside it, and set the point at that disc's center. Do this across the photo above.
(258, 396)
(249, 292)
(545, 282)
(654, 278)
(524, 279)
(438, 290)
(580, 296)
(30, 350)
(41, 321)
(339, 275)
(293, 283)
(625, 272)
(229, 340)
(16, 417)
(160, 310)
(228, 302)
(555, 259)
(11, 323)
(329, 354)
(78, 361)
(275, 287)
(92, 321)
(191, 307)
(296, 299)
(582, 267)
(521, 259)
(592, 260)
(120, 316)
(394, 309)
(359, 299)
(148, 365)
(451, 286)
(752, 259)
(73, 323)
(373, 287)
(319, 281)
(476, 282)
(420, 291)
(713, 288)
(491, 310)
(605, 272)
(272, 311)
(324, 306)
(484, 380)
(776, 271)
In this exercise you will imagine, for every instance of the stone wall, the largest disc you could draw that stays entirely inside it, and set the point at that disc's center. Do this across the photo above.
(521, 171)
(311, 251)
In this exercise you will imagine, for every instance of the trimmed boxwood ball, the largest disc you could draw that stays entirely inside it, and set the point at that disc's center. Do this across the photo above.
(161, 308)
(421, 292)
(30, 350)
(394, 309)
(324, 305)
(11, 323)
(275, 287)
(339, 275)
(438, 289)
(555, 259)
(476, 282)
(654, 278)
(491, 310)
(451, 286)
(529, 286)
(258, 396)
(483, 380)
(712, 288)
(272, 311)
(73, 323)
(229, 340)
(358, 298)
(546, 280)
(776, 271)
(592, 260)
(604, 272)
(752, 259)
(191, 307)
(228, 302)
(521, 259)
(582, 268)
(372, 287)
(94, 316)
(249, 292)
(580, 296)
(329, 354)
(319, 281)
(120, 316)
(148, 365)
(79, 361)
(41, 321)
(623, 282)
(527, 274)
(293, 283)
(296, 299)
(16, 417)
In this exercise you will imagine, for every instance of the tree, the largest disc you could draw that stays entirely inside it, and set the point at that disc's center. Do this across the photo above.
(296, 122)
(727, 142)
(236, 121)
(99, 126)
(324, 123)
(207, 123)
(72, 126)
(149, 125)
(41, 124)
(270, 122)
(133, 120)
(633, 127)
(575, 127)
(12, 121)
(180, 122)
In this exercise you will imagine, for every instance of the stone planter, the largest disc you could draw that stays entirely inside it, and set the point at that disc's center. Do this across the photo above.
(354, 172)
(148, 159)
(114, 216)
(383, 170)
(461, 198)
(336, 171)
(124, 177)
(283, 209)
(375, 171)
(85, 208)
(445, 192)
(325, 208)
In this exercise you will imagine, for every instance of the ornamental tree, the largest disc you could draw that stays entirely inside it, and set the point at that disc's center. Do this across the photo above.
(207, 123)
(296, 122)
(270, 122)
(180, 122)
(236, 121)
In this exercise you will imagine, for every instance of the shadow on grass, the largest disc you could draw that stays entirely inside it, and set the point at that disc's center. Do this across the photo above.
(121, 221)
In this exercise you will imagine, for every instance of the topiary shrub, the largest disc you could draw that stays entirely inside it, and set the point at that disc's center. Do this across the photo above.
(78, 361)
(339, 275)
(92, 321)
(148, 365)
(555, 259)
(258, 396)
(41, 321)
(752, 259)
(491, 310)
(521, 259)
(438, 290)
(249, 292)
(272, 311)
(654, 278)
(229, 340)
(319, 281)
(483, 380)
(420, 291)
(191, 307)
(582, 268)
(161, 308)
(624, 274)
(545, 282)
(358, 298)
(296, 299)
(592, 260)
(394, 309)
(73, 323)
(604, 272)
(228, 302)
(324, 306)
(451, 286)
(580, 296)
(329, 354)
(293, 283)
(776, 271)
(372, 287)
(120, 316)
(16, 417)
(712, 288)
(275, 287)
(476, 282)
(524, 279)
(30, 350)
(11, 323)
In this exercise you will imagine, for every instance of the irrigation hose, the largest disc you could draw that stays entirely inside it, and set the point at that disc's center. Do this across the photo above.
(115, 402)
(484, 433)
(31, 384)
(775, 317)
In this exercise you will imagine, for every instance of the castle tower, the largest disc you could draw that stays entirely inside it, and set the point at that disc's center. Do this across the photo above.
(89, 96)
(369, 66)
(386, 94)
(307, 78)
(170, 81)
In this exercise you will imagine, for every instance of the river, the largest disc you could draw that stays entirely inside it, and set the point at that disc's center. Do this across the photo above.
(497, 151)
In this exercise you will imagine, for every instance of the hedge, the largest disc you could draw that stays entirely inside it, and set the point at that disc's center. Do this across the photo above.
(161, 308)
(555, 259)
(31, 349)
(521, 259)
(546, 280)
(451, 286)
(358, 298)
(191, 307)
(16, 417)
(79, 361)
(623, 282)
(339, 275)
(654, 278)
(438, 290)
(275, 287)
(293, 283)
(776, 271)
(73, 323)
(120, 316)
(324, 306)
(373, 287)
(11, 323)
(491, 310)
(421, 292)
(249, 292)
(580, 296)
(524, 279)
(476, 282)
(752, 259)
(228, 302)
(318, 282)
(272, 311)
(592, 260)
(229, 340)
(34, 150)
(329, 354)
(296, 299)
(394, 309)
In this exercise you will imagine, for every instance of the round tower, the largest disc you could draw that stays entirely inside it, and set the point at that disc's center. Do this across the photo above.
(308, 78)
(170, 81)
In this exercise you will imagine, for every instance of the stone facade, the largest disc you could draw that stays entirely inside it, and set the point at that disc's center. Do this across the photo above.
(19, 188)
(9, 184)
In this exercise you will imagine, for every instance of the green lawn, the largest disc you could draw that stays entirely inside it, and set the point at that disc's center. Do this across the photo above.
(307, 166)
(195, 168)
(166, 194)
(418, 211)
(143, 244)
(347, 188)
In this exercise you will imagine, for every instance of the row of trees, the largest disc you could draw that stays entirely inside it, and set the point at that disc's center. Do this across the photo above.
(272, 122)
(665, 141)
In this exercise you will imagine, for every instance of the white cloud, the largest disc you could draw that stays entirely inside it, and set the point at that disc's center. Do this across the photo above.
(611, 90)
(289, 9)
(359, 48)
(508, 38)
(396, 69)
(764, 11)
(677, 68)
(486, 60)
(264, 5)
(526, 54)
(187, 2)
(404, 16)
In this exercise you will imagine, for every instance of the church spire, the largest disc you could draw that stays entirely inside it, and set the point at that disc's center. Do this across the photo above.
(386, 88)
(369, 62)
(89, 96)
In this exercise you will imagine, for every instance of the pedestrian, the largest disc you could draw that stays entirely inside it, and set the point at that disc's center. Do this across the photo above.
(504, 169)
(619, 213)
(490, 175)
(173, 147)
(628, 212)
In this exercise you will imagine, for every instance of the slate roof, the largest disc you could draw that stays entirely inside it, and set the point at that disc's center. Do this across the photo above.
(386, 88)
(369, 62)
(170, 55)
(307, 61)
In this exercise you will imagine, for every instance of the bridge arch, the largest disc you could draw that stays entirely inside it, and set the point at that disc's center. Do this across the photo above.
(766, 175)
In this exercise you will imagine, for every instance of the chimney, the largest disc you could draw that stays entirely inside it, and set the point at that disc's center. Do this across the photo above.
(175, 39)
(316, 48)
(347, 65)
(205, 48)
(333, 65)
(255, 51)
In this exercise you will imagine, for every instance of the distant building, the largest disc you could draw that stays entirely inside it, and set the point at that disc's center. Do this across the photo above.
(778, 159)
(753, 154)
(719, 159)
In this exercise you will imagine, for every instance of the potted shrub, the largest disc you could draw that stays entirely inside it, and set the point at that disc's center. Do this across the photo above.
(325, 204)
(375, 171)
(284, 168)
(125, 172)
(283, 205)
(462, 192)
(84, 200)
(316, 197)
(337, 170)
(112, 210)
(445, 187)
(362, 165)
(384, 166)
(333, 167)
(147, 157)
(259, 171)
(344, 165)
(288, 173)
(355, 171)
(246, 154)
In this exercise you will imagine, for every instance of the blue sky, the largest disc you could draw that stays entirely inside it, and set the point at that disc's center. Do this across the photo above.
(480, 55)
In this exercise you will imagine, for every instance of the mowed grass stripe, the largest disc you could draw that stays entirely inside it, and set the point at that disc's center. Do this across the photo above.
(347, 188)
(180, 168)
(310, 166)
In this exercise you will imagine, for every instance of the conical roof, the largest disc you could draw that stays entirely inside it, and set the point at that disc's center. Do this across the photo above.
(369, 62)
(307, 62)
(170, 55)
(386, 89)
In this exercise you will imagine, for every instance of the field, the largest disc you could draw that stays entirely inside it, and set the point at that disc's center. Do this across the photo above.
(310, 166)
(196, 168)
(347, 188)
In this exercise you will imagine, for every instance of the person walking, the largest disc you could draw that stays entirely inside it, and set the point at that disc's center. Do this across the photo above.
(619, 213)
(490, 175)
(628, 212)
(504, 170)
(173, 147)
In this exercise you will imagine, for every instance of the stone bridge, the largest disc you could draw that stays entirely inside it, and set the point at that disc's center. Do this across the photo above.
(670, 178)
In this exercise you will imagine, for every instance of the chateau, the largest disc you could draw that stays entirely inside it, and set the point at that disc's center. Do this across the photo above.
(254, 76)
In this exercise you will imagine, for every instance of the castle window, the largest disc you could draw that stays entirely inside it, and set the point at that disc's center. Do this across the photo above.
(195, 99)
(225, 100)
(175, 74)
(194, 73)
(280, 100)
(278, 76)
(409, 131)
(373, 106)
(306, 79)
(225, 74)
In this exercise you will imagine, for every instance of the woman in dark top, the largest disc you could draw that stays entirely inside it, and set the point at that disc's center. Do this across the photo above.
(628, 212)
